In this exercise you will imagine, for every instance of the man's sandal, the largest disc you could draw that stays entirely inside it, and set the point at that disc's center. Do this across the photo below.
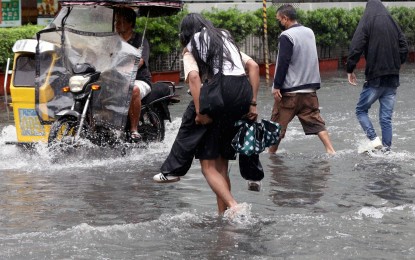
(136, 137)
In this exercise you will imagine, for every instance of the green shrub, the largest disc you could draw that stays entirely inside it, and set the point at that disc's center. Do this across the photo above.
(332, 27)
(405, 17)
(239, 24)
(162, 34)
(325, 25)
(350, 22)
(9, 36)
(273, 30)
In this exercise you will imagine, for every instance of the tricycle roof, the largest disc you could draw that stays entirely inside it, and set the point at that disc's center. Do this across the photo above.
(153, 8)
(130, 3)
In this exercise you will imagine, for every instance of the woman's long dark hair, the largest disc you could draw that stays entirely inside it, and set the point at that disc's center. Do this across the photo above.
(216, 49)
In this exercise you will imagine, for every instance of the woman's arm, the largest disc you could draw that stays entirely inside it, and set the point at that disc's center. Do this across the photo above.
(191, 71)
(252, 69)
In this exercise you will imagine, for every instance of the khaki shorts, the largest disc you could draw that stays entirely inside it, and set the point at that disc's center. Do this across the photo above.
(145, 89)
(303, 105)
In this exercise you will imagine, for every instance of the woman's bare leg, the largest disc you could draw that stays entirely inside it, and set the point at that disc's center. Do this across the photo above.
(222, 167)
(215, 172)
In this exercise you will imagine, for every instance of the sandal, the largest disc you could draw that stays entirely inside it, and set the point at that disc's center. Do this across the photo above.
(135, 137)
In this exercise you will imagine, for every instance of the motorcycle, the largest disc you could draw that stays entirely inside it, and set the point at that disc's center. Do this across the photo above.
(84, 75)
(80, 121)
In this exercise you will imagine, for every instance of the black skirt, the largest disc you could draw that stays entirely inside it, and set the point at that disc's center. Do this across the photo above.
(237, 95)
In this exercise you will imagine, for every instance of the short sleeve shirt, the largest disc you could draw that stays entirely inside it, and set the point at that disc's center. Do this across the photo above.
(189, 63)
(227, 69)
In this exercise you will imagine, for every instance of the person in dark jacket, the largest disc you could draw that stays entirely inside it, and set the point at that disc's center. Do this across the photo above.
(384, 46)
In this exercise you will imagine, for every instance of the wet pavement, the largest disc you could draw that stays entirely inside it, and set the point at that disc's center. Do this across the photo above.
(97, 204)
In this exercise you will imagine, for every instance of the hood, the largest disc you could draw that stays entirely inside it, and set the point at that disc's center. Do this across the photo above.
(374, 8)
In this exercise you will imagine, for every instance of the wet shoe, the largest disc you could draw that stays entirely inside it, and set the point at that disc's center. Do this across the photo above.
(371, 146)
(161, 178)
(386, 150)
(254, 185)
(376, 144)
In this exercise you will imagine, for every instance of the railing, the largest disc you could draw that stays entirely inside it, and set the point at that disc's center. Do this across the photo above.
(6, 75)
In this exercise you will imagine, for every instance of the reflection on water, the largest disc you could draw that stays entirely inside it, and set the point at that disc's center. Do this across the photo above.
(21, 196)
(98, 204)
(297, 183)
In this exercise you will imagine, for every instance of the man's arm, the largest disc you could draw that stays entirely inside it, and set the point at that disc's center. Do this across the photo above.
(285, 53)
(357, 46)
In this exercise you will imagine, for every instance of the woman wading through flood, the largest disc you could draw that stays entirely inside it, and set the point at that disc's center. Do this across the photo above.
(216, 52)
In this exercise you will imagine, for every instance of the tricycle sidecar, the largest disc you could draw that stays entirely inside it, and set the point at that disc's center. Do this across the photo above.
(22, 89)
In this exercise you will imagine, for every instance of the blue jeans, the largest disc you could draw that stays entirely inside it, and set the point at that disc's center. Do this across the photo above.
(386, 97)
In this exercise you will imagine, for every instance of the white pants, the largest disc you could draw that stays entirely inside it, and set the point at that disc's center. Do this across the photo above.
(145, 89)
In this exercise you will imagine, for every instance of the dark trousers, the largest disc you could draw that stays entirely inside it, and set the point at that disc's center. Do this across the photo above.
(184, 148)
(251, 167)
(181, 155)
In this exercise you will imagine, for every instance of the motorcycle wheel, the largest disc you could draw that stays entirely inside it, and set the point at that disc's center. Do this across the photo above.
(152, 127)
(63, 131)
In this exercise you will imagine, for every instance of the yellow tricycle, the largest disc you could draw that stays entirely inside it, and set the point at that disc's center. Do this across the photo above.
(75, 80)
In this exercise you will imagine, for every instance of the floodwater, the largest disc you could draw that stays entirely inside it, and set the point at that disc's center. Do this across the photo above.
(97, 204)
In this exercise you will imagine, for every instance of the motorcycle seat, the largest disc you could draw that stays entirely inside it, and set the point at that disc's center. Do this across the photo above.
(158, 90)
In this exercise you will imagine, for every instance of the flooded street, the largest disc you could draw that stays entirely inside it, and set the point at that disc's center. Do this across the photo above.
(97, 204)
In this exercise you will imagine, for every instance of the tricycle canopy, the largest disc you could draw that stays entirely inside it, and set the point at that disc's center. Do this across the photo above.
(152, 8)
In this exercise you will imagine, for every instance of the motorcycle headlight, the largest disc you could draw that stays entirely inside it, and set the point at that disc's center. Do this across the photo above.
(77, 83)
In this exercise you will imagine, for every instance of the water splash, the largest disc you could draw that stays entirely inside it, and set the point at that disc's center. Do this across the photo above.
(363, 145)
(379, 213)
(8, 134)
(39, 156)
(239, 215)
(170, 223)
